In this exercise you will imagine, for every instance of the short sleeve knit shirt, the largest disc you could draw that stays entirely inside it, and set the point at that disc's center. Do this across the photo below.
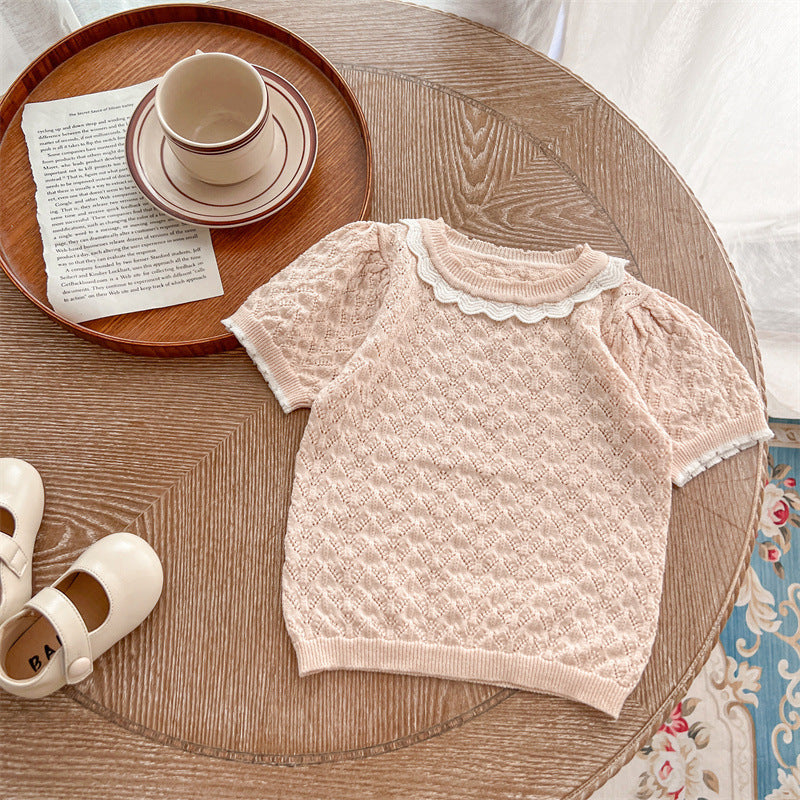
(483, 487)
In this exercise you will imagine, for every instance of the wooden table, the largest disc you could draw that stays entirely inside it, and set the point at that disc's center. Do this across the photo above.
(196, 456)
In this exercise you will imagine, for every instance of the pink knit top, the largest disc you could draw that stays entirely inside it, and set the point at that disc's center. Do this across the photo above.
(483, 488)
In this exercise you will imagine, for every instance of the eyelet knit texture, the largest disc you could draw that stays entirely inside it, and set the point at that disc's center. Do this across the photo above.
(481, 496)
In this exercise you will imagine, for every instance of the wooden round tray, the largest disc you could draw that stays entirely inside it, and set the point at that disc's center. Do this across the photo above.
(130, 48)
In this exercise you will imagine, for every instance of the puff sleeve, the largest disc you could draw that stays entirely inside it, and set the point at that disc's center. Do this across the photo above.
(688, 377)
(306, 322)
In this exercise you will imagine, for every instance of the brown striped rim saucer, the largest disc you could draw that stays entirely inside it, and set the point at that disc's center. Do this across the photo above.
(168, 186)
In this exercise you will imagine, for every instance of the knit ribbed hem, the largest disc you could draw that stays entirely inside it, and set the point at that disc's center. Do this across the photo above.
(258, 343)
(458, 258)
(716, 444)
(513, 670)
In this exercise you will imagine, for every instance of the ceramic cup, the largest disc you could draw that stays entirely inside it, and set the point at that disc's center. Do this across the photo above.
(214, 111)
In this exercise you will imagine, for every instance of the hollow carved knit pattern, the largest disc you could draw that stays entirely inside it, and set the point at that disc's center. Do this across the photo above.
(486, 499)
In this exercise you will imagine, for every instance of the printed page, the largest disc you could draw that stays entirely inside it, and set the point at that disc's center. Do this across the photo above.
(106, 249)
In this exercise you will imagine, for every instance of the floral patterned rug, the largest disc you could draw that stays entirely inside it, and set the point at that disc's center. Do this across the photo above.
(736, 734)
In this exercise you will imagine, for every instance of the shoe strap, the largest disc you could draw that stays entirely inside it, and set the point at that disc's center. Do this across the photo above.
(71, 629)
(12, 555)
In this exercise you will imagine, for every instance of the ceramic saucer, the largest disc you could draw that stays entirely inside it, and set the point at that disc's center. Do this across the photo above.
(166, 184)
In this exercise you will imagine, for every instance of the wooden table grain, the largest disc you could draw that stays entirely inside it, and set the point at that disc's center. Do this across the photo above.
(196, 456)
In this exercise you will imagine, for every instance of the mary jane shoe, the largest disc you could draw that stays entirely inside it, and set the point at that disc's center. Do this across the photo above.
(21, 507)
(109, 590)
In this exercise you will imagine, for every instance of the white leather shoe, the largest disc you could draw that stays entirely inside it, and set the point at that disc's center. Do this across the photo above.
(21, 508)
(109, 590)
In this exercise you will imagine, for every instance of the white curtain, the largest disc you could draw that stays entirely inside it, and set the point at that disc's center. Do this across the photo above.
(714, 83)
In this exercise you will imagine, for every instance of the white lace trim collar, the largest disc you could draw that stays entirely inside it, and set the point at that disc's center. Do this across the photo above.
(609, 278)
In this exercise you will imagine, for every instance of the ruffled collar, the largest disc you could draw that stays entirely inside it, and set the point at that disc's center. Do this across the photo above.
(501, 282)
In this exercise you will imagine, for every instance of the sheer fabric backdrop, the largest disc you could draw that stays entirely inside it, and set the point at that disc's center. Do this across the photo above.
(714, 83)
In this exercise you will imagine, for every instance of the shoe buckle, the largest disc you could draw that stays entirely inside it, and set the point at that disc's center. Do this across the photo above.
(12, 555)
